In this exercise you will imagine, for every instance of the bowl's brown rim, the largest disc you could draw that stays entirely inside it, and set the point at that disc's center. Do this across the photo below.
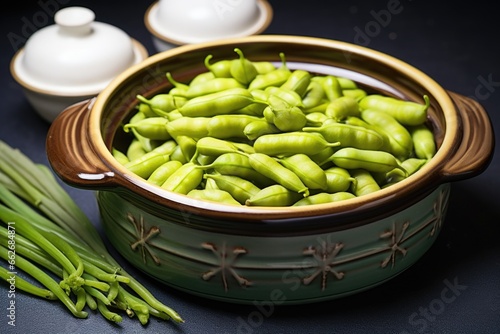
(387, 200)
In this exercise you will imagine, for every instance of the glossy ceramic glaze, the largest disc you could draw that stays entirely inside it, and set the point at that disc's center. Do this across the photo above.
(72, 60)
(288, 254)
(173, 23)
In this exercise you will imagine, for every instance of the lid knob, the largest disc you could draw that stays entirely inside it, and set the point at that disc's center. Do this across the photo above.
(75, 20)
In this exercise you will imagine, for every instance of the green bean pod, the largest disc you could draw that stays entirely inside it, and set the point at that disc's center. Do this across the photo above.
(319, 108)
(163, 171)
(177, 85)
(215, 147)
(338, 179)
(289, 143)
(342, 107)
(405, 112)
(214, 195)
(309, 172)
(365, 183)
(410, 165)
(240, 189)
(274, 78)
(260, 95)
(223, 102)
(399, 137)
(178, 155)
(202, 77)
(322, 158)
(120, 156)
(282, 98)
(346, 83)
(288, 119)
(314, 95)
(264, 67)
(298, 82)
(272, 169)
(358, 94)
(145, 109)
(187, 145)
(184, 179)
(253, 109)
(423, 141)
(243, 69)
(220, 69)
(349, 135)
(315, 119)
(135, 150)
(203, 159)
(332, 87)
(274, 195)
(147, 163)
(238, 165)
(371, 160)
(258, 128)
(229, 126)
(212, 86)
(154, 128)
(147, 143)
(323, 198)
(194, 127)
(162, 104)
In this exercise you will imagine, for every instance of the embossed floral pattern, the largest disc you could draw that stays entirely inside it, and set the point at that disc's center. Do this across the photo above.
(324, 257)
(225, 259)
(143, 238)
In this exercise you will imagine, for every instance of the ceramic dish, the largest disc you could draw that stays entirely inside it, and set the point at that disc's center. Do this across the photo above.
(174, 23)
(284, 255)
(72, 60)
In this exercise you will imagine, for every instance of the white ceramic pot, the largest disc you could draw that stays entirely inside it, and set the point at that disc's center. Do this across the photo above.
(72, 60)
(173, 23)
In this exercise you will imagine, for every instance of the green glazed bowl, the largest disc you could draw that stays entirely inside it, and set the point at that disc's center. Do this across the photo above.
(286, 255)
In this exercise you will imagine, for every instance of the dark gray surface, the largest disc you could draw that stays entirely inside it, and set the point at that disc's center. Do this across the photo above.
(454, 288)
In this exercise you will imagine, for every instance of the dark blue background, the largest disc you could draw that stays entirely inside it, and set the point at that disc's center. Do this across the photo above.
(457, 44)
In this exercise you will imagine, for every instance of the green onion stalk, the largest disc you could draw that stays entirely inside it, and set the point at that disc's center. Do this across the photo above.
(54, 238)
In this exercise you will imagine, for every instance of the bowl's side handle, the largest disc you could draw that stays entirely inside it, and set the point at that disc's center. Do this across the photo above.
(70, 151)
(475, 150)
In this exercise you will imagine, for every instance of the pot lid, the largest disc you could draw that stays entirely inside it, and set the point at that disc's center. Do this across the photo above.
(196, 21)
(75, 56)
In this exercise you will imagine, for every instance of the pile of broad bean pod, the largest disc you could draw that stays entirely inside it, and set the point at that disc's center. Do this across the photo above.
(252, 133)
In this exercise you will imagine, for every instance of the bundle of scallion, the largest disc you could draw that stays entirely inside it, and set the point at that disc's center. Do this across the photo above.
(57, 245)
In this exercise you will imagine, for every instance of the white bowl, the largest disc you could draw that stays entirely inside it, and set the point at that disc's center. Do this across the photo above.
(173, 23)
(72, 60)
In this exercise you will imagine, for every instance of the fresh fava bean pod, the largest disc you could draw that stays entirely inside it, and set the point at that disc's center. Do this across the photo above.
(309, 172)
(242, 69)
(406, 112)
(423, 141)
(151, 127)
(220, 69)
(214, 195)
(271, 168)
(274, 195)
(212, 86)
(365, 182)
(400, 139)
(370, 160)
(289, 143)
(239, 188)
(322, 198)
(222, 102)
(349, 135)
(251, 133)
